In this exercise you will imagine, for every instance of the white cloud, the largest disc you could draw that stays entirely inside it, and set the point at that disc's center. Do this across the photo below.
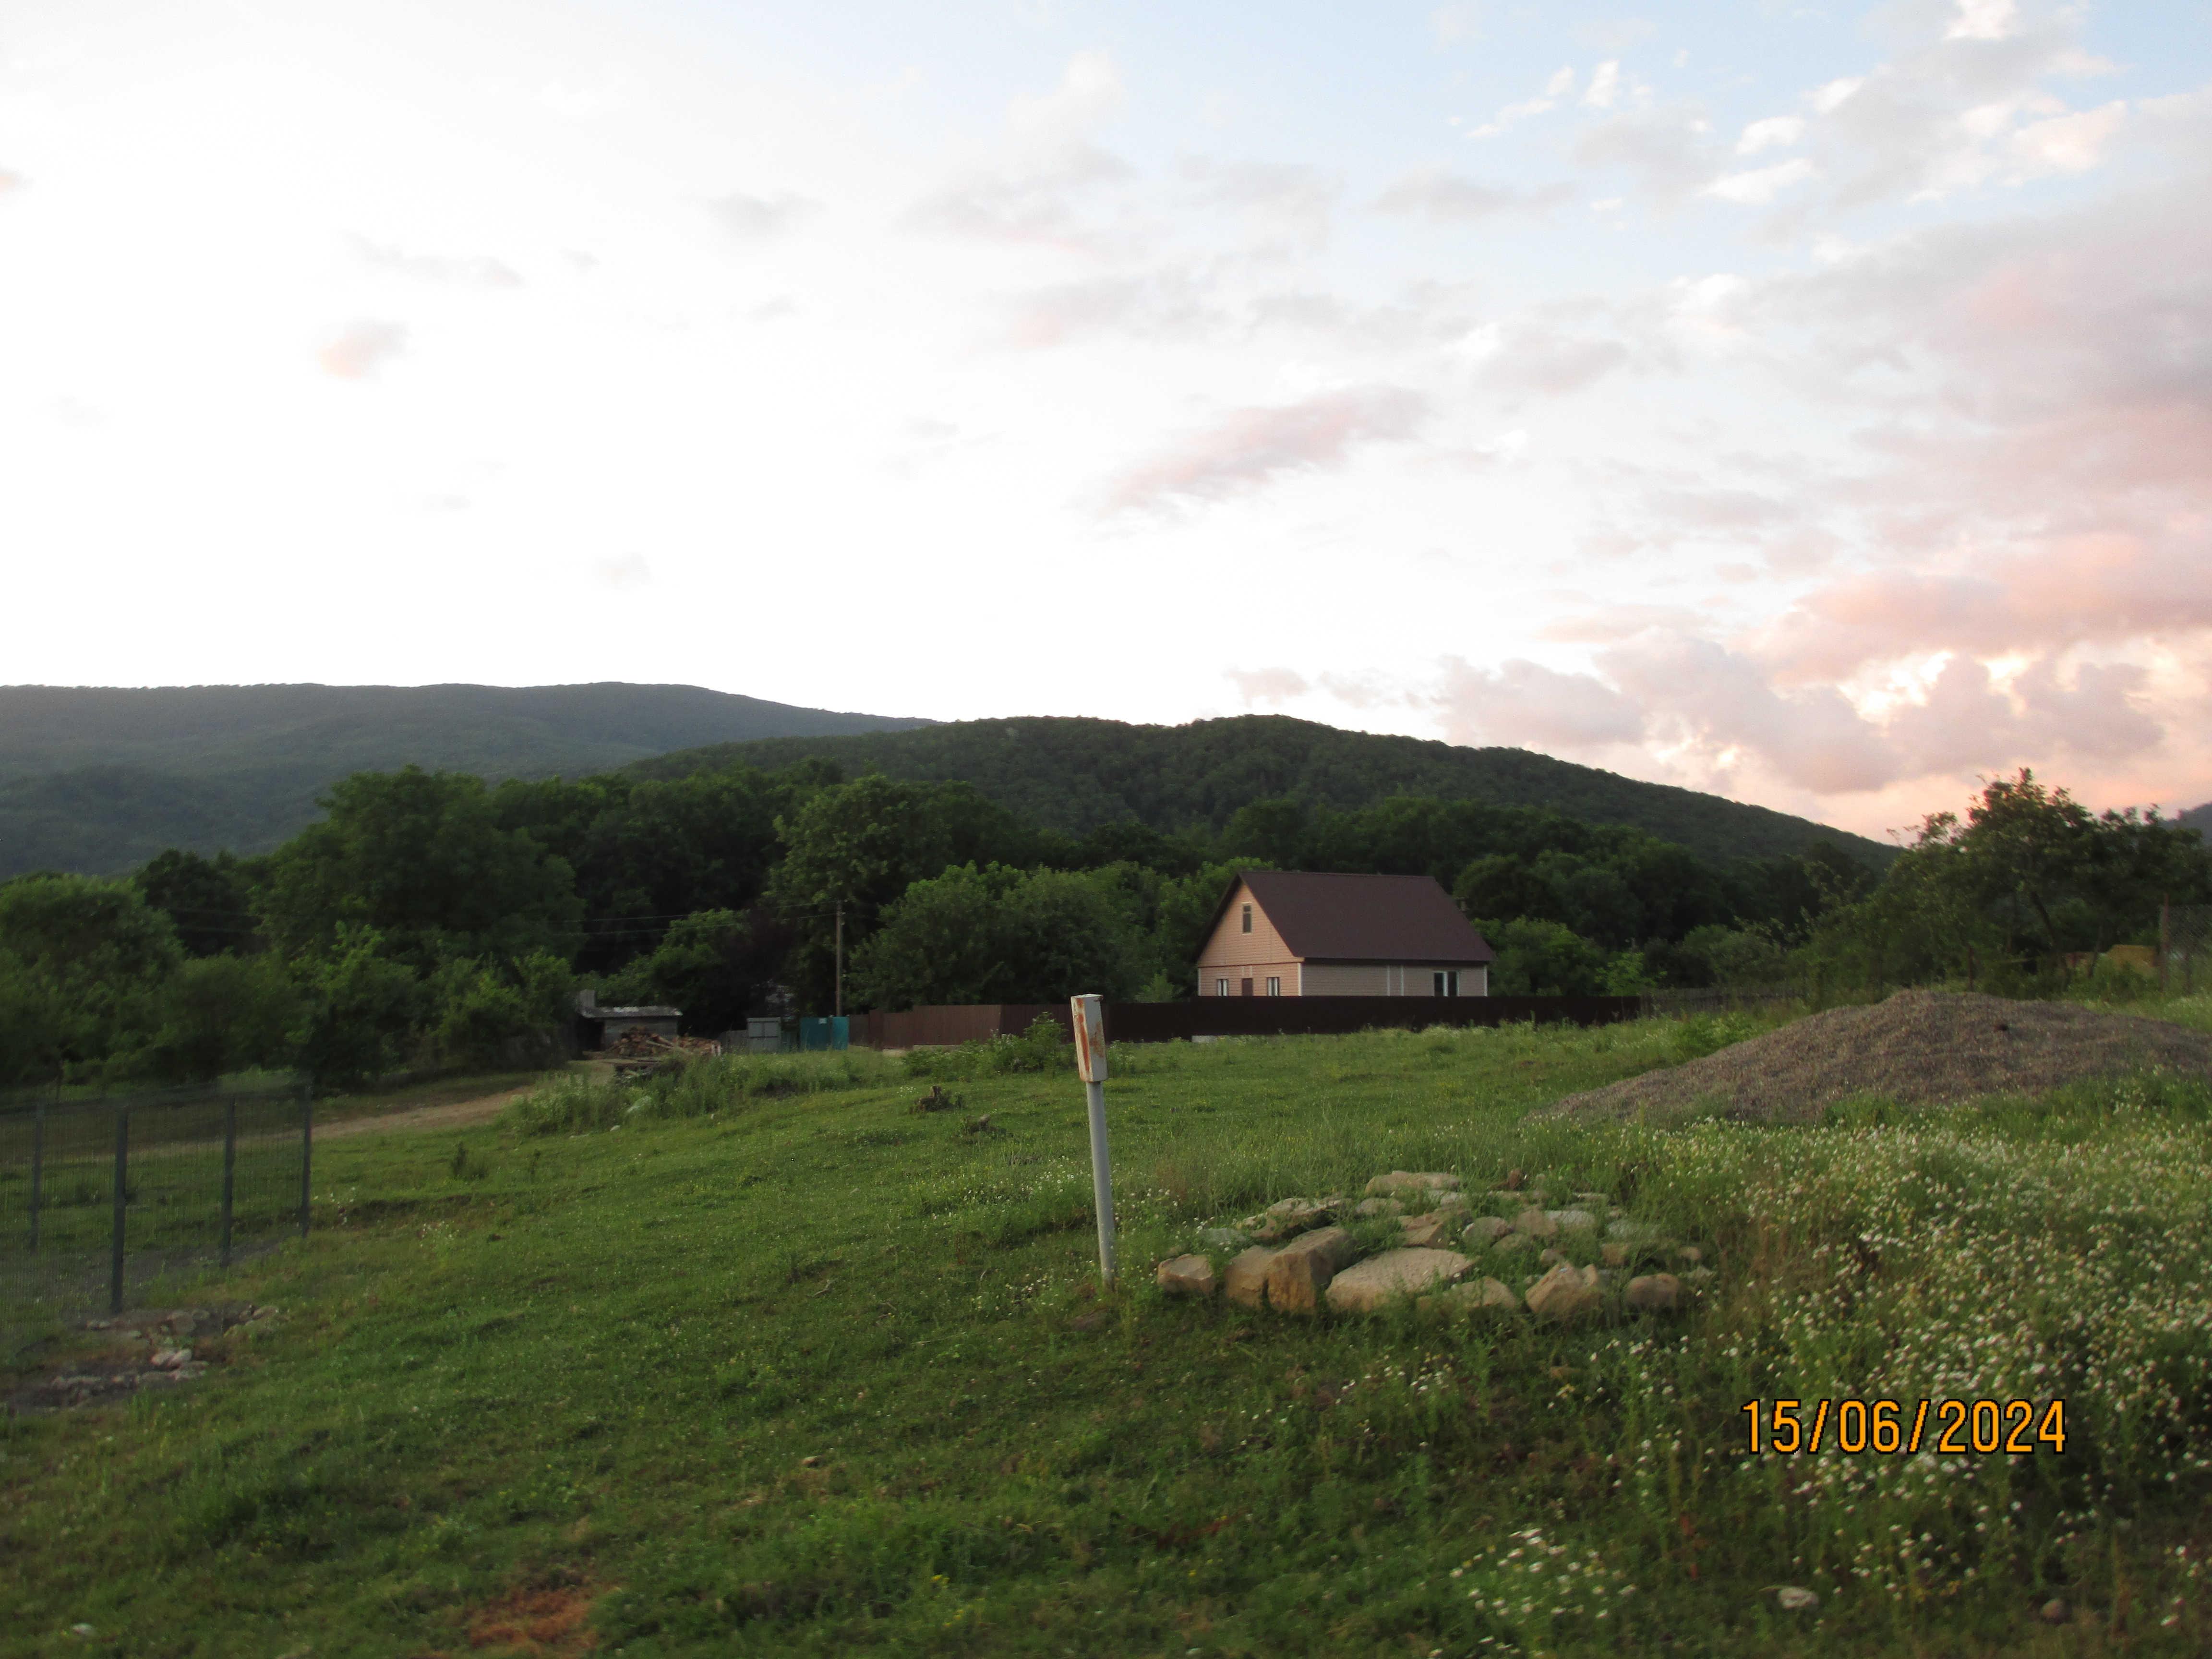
(759, 218)
(1604, 85)
(1762, 184)
(1983, 19)
(1828, 98)
(1454, 23)
(1089, 92)
(1781, 131)
(1561, 83)
(2068, 144)
(629, 570)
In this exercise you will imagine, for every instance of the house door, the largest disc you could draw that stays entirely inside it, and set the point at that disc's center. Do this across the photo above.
(1247, 988)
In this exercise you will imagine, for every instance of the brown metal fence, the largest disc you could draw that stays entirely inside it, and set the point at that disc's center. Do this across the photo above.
(138, 1183)
(1210, 1017)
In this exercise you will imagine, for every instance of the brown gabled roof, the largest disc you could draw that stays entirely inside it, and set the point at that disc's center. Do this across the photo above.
(1332, 918)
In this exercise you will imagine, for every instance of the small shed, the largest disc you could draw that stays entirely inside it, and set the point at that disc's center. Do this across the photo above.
(1310, 934)
(597, 1027)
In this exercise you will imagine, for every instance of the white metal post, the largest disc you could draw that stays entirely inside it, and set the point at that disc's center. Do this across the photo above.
(1089, 1023)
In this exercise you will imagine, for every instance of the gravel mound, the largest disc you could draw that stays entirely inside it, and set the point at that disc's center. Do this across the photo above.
(1920, 1047)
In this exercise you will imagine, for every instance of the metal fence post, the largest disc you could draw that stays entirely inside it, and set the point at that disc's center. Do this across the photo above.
(38, 1167)
(306, 1150)
(122, 1195)
(229, 1168)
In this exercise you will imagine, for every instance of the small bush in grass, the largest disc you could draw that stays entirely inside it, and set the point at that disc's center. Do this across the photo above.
(1045, 1047)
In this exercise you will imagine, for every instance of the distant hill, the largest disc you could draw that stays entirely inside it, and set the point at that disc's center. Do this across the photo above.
(1073, 774)
(98, 779)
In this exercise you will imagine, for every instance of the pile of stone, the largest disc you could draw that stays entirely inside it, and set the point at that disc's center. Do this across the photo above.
(150, 1348)
(1570, 1262)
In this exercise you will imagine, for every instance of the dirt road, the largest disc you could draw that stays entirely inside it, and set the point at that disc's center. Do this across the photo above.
(454, 1115)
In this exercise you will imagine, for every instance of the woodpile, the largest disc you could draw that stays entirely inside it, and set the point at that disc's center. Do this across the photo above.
(638, 1043)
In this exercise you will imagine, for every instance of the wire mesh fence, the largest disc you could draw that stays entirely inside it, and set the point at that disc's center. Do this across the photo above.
(118, 1189)
(2185, 954)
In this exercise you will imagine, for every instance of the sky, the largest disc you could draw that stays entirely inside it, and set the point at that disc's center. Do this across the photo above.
(1808, 403)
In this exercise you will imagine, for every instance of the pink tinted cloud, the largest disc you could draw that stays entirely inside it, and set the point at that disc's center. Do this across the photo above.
(1524, 704)
(1272, 686)
(1250, 448)
(361, 349)
(2093, 589)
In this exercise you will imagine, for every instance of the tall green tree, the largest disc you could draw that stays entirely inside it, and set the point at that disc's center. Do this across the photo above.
(209, 900)
(83, 963)
(1000, 935)
(420, 859)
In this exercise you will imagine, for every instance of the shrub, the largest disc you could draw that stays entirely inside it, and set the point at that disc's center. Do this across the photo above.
(1045, 1047)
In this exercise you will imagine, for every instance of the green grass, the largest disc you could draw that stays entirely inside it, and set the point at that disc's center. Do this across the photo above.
(803, 1372)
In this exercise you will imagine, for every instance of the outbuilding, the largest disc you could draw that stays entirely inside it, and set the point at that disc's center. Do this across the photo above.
(1309, 933)
(597, 1027)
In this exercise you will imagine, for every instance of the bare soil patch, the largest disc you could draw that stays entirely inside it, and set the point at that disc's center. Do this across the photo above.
(1917, 1048)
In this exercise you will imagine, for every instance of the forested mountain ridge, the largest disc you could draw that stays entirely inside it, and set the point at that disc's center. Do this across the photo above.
(1075, 775)
(96, 779)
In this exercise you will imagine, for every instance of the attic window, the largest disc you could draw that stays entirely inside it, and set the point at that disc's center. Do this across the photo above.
(1247, 919)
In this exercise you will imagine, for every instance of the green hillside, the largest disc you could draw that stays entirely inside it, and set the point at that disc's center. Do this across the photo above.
(97, 779)
(1074, 775)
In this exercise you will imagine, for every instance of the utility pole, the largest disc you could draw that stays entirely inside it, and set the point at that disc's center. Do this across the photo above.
(837, 997)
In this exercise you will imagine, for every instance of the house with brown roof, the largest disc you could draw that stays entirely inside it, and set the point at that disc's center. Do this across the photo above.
(1306, 933)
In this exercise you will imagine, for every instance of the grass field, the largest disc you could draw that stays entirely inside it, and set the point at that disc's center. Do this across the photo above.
(773, 1368)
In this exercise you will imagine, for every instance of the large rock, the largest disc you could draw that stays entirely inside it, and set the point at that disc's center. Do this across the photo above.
(1486, 1230)
(1656, 1292)
(1407, 1183)
(1572, 1220)
(1379, 1206)
(1244, 1280)
(1302, 1269)
(1187, 1275)
(1424, 1232)
(1514, 1245)
(1469, 1296)
(1564, 1293)
(1536, 1224)
(1393, 1275)
(1219, 1239)
(1451, 1201)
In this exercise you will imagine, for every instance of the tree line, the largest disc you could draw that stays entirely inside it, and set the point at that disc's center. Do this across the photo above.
(427, 920)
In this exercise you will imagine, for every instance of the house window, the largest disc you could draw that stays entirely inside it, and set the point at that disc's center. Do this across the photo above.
(1447, 982)
(1275, 988)
(1247, 919)
(1248, 987)
(1221, 987)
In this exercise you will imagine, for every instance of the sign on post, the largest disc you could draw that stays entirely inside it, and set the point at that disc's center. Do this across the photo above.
(1089, 1023)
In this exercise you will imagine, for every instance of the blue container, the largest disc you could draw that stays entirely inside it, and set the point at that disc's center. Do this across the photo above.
(823, 1031)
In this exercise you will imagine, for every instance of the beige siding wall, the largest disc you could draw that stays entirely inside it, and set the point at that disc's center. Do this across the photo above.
(1376, 979)
(1237, 956)
(1258, 972)
(1346, 979)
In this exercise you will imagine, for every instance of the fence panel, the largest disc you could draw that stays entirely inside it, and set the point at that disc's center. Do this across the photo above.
(2184, 956)
(138, 1183)
(1162, 1022)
